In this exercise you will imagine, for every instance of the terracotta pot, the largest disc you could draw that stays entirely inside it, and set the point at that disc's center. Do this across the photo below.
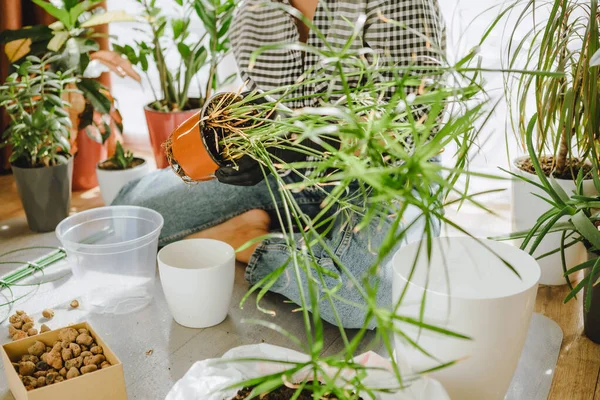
(89, 154)
(160, 126)
(190, 151)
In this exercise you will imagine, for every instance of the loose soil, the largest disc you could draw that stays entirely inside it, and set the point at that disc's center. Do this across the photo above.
(109, 165)
(283, 393)
(570, 171)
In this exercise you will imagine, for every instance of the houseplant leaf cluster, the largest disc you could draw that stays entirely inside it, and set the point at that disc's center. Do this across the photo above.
(565, 109)
(72, 37)
(38, 133)
(166, 35)
(39, 128)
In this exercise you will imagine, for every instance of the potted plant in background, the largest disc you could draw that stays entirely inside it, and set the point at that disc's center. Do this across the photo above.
(575, 218)
(116, 171)
(39, 136)
(172, 104)
(565, 111)
(73, 36)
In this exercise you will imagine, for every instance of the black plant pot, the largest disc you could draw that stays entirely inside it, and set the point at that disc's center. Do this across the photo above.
(591, 318)
(45, 193)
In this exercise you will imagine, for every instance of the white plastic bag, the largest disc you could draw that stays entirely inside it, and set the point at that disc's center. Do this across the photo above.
(207, 379)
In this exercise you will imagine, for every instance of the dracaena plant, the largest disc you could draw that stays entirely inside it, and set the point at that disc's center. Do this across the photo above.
(381, 168)
(574, 215)
(565, 109)
(72, 38)
(167, 36)
(32, 96)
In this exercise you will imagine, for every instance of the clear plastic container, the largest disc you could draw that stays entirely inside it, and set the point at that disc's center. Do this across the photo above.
(113, 253)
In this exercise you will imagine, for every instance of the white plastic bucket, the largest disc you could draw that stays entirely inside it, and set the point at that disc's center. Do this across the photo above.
(471, 291)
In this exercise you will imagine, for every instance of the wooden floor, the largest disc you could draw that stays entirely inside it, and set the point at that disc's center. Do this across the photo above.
(577, 372)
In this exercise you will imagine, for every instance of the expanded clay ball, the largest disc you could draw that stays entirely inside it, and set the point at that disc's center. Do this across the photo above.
(84, 339)
(88, 368)
(74, 304)
(75, 349)
(12, 330)
(13, 319)
(37, 349)
(48, 313)
(26, 368)
(54, 359)
(32, 332)
(27, 326)
(44, 328)
(68, 335)
(19, 335)
(73, 373)
(76, 362)
(51, 377)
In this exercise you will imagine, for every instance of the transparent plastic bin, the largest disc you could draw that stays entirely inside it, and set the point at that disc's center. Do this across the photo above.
(113, 253)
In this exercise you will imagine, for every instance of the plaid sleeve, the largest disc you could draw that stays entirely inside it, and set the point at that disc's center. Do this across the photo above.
(407, 33)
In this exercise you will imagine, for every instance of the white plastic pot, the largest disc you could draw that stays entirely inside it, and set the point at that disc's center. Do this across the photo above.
(111, 181)
(468, 290)
(197, 277)
(527, 208)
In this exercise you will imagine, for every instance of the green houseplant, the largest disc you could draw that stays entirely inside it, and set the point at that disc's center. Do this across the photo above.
(39, 135)
(368, 130)
(113, 173)
(73, 36)
(576, 219)
(565, 110)
(166, 36)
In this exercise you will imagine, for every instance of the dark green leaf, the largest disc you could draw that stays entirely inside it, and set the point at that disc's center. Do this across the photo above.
(184, 50)
(37, 33)
(586, 228)
(178, 26)
(60, 14)
(91, 91)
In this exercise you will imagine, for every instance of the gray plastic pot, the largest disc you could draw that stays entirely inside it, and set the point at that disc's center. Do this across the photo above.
(45, 193)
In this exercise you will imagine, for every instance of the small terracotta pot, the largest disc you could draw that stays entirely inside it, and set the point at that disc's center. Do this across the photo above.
(160, 126)
(191, 152)
(89, 154)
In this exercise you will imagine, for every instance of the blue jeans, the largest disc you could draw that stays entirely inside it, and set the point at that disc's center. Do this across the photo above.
(192, 208)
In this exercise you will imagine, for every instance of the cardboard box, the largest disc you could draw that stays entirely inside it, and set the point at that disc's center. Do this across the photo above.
(103, 384)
